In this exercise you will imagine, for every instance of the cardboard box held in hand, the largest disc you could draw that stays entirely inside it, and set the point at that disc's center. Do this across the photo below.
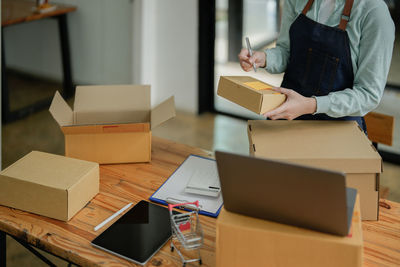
(50, 185)
(336, 145)
(250, 93)
(246, 241)
(110, 123)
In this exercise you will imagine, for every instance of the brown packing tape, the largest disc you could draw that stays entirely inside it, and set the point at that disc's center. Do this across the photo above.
(108, 128)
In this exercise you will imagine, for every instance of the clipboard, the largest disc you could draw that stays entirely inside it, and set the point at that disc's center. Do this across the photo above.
(172, 191)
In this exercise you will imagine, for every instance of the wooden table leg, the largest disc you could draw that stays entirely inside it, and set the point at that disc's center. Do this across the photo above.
(66, 57)
(3, 246)
(5, 104)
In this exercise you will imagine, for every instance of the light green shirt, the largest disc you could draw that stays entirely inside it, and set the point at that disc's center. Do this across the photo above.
(371, 34)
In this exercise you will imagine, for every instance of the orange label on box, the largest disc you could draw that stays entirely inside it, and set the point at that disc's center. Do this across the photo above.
(258, 85)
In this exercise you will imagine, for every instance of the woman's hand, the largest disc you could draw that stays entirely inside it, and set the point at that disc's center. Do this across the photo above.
(294, 106)
(246, 62)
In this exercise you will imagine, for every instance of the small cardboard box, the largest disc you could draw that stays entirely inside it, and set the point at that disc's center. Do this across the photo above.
(49, 185)
(110, 123)
(335, 145)
(250, 93)
(246, 241)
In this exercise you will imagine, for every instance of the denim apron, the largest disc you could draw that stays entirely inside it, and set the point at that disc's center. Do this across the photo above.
(320, 60)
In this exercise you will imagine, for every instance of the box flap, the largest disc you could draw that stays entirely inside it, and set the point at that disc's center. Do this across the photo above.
(102, 104)
(163, 112)
(60, 110)
(337, 145)
(48, 169)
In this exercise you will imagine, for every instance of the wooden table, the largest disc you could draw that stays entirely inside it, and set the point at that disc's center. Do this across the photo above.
(120, 184)
(14, 12)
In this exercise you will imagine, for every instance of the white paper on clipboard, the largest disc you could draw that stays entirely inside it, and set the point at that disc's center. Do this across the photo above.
(173, 190)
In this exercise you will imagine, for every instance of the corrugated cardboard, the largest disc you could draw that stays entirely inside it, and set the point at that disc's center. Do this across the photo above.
(110, 123)
(49, 185)
(246, 241)
(336, 145)
(256, 98)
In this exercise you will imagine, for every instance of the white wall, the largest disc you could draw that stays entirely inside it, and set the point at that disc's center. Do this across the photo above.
(165, 50)
(113, 42)
(1, 88)
(100, 34)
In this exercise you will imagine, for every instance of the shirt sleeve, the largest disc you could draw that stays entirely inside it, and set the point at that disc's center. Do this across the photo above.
(277, 57)
(375, 54)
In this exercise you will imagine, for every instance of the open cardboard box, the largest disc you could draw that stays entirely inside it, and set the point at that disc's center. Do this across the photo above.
(335, 145)
(246, 241)
(50, 185)
(250, 93)
(110, 123)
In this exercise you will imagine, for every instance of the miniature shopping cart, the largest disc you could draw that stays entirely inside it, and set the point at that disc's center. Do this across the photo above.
(186, 230)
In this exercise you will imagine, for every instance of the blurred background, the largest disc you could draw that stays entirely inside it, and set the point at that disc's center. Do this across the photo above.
(179, 47)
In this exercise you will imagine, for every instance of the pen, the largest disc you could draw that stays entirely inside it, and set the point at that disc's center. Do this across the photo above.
(250, 52)
(112, 216)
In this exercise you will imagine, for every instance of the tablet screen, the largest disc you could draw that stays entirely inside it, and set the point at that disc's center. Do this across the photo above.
(138, 234)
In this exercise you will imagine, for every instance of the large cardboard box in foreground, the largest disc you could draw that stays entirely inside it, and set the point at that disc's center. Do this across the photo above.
(246, 241)
(250, 93)
(110, 123)
(49, 185)
(335, 145)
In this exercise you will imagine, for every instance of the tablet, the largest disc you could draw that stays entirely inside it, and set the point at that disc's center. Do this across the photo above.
(138, 234)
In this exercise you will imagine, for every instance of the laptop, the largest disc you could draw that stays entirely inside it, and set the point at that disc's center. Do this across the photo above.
(287, 193)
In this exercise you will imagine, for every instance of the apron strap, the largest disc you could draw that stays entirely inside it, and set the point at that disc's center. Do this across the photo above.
(346, 14)
(307, 7)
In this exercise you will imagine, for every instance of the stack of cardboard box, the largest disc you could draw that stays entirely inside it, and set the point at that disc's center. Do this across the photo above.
(109, 124)
(247, 241)
(335, 145)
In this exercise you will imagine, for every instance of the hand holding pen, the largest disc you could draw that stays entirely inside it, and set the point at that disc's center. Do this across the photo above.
(250, 53)
(249, 59)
